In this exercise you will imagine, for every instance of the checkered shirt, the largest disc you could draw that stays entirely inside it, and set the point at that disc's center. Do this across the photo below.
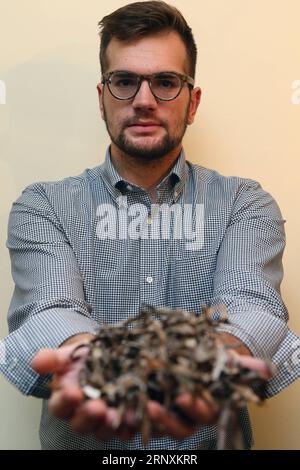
(70, 278)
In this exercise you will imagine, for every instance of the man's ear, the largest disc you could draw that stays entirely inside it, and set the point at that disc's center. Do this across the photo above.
(100, 97)
(194, 103)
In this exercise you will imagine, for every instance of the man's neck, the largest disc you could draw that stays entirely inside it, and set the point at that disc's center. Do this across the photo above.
(143, 173)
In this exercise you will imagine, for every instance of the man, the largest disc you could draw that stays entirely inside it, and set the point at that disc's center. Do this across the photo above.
(75, 265)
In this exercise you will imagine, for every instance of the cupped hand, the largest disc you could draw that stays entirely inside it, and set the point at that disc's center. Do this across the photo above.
(198, 411)
(67, 399)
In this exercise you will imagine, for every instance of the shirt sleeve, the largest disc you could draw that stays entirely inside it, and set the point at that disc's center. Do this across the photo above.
(249, 272)
(48, 304)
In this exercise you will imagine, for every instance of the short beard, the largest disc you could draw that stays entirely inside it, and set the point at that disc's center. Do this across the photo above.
(162, 148)
(158, 151)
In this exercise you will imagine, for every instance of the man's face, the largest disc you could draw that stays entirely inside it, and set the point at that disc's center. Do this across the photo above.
(145, 127)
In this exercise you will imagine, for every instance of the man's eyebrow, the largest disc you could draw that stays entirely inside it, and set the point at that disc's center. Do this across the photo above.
(153, 73)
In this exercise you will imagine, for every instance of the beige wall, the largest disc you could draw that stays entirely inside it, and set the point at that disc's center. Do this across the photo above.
(249, 58)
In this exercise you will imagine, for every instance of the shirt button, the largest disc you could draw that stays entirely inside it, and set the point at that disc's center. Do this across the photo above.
(148, 221)
(149, 279)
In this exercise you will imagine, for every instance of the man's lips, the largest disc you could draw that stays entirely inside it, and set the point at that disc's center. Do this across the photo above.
(141, 126)
(144, 123)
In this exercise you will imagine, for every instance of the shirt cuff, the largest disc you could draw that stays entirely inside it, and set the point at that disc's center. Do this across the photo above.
(260, 331)
(48, 329)
(287, 362)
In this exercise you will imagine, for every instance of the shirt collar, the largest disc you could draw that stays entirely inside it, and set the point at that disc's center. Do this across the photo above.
(175, 179)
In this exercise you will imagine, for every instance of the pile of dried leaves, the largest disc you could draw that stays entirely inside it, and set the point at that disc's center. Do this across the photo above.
(160, 354)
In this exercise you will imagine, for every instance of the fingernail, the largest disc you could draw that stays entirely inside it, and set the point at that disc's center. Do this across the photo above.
(112, 418)
(154, 409)
(184, 400)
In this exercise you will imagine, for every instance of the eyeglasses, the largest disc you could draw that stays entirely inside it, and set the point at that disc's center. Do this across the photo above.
(165, 86)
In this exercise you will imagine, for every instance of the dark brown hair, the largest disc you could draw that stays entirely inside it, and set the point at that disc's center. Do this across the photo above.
(140, 19)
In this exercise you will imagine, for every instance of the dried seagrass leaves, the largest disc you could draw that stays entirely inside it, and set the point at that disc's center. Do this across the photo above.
(160, 354)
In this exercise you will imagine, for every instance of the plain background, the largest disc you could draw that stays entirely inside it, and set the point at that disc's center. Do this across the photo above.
(247, 125)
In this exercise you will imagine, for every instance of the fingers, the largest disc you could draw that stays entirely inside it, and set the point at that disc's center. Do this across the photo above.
(263, 368)
(64, 402)
(107, 429)
(197, 409)
(166, 423)
(89, 416)
(51, 360)
(95, 417)
(130, 425)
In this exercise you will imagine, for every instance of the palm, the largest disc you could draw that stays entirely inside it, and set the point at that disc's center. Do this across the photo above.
(68, 402)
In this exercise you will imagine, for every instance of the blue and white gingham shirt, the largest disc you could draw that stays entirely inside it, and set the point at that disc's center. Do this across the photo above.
(70, 280)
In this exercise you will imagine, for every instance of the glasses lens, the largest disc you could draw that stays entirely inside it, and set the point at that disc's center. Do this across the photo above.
(166, 85)
(123, 85)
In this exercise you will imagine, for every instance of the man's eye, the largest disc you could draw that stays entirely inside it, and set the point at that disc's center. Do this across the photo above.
(166, 83)
(124, 82)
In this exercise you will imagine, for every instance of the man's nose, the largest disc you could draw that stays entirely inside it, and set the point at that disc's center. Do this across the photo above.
(144, 97)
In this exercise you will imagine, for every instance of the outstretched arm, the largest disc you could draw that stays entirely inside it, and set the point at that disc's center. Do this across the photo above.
(94, 416)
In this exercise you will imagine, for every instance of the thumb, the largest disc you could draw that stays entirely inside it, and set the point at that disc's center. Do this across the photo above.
(263, 367)
(52, 360)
